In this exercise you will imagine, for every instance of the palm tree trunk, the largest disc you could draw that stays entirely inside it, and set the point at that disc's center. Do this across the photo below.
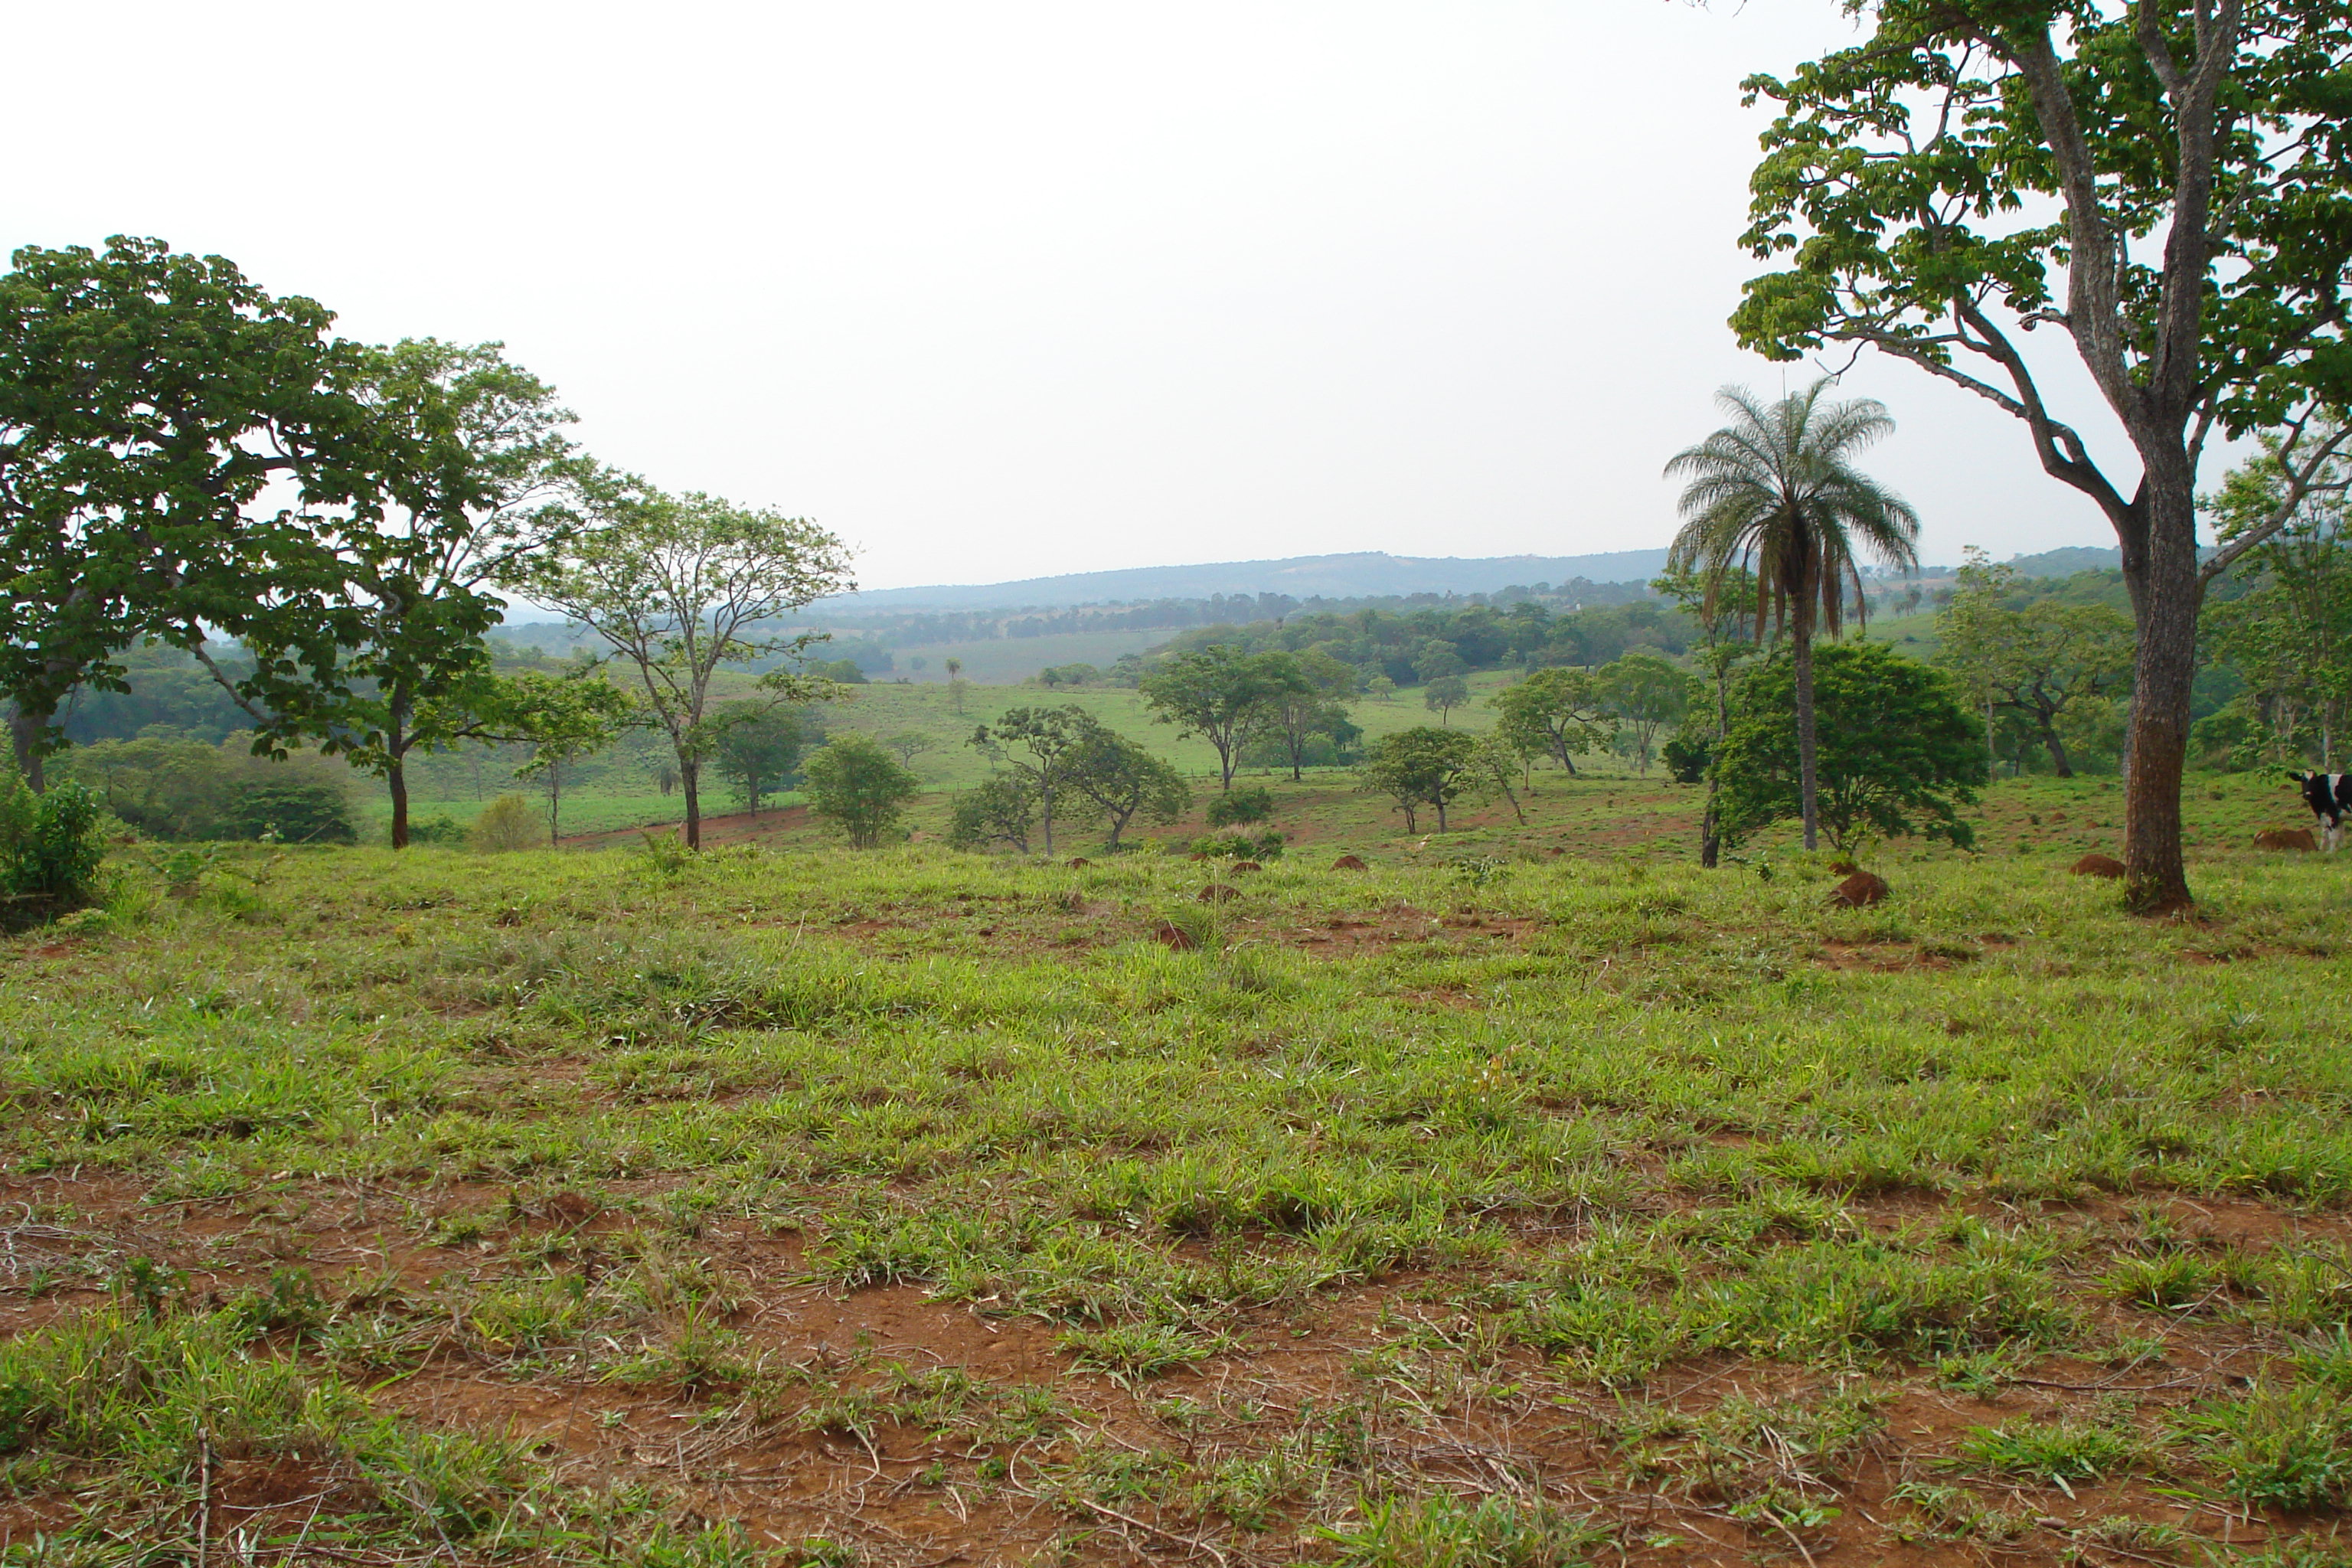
(1807, 780)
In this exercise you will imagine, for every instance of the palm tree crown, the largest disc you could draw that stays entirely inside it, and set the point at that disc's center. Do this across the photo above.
(1776, 489)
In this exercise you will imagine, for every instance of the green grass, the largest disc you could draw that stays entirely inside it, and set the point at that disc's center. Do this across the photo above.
(1492, 1206)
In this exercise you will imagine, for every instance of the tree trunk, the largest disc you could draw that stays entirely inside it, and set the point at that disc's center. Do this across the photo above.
(689, 779)
(2161, 571)
(395, 777)
(554, 804)
(2056, 748)
(1045, 801)
(26, 730)
(1807, 785)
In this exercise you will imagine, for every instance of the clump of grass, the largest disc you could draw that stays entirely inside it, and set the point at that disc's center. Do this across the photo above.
(1948, 1513)
(2284, 1444)
(2056, 1453)
(1441, 1531)
(1142, 1350)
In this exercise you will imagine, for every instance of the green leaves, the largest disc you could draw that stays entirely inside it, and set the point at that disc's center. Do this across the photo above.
(1897, 753)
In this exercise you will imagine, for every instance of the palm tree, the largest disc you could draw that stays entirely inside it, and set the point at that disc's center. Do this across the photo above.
(1775, 489)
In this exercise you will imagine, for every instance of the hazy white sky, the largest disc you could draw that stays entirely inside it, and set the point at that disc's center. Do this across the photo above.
(1000, 290)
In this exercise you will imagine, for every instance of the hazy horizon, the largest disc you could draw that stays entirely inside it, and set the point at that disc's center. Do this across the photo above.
(1043, 289)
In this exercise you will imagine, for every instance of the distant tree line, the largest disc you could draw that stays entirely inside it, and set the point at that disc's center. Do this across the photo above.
(917, 628)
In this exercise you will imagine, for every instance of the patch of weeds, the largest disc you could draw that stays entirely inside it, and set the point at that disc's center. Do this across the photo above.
(1946, 1513)
(1441, 1531)
(2168, 1282)
(2056, 1453)
(1752, 1450)
(2127, 1533)
(1141, 1350)
(2284, 1444)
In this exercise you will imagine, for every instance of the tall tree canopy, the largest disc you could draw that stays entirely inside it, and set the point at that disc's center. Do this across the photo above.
(147, 401)
(376, 651)
(2166, 184)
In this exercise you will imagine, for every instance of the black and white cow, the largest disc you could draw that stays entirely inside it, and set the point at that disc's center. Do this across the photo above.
(2330, 795)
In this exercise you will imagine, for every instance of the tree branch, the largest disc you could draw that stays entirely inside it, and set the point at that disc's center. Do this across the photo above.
(2301, 483)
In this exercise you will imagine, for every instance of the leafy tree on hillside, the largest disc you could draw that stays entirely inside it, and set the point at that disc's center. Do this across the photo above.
(1554, 713)
(1314, 708)
(1777, 489)
(911, 744)
(1422, 767)
(1438, 659)
(1053, 738)
(1444, 695)
(1493, 767)
(147, 401)
(854, 781)
(1643, 694)
(2043, 664)
(755, 752)
(1897, 753)
(1221, 694)
(560, 718)
(1122, 781)
(2183, 169)
(1000, 810)
(679, 586)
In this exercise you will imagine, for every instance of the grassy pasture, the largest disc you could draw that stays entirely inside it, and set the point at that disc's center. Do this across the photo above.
(1490, 1206)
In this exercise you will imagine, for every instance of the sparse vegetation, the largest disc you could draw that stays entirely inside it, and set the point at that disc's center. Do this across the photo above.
(533, 1199)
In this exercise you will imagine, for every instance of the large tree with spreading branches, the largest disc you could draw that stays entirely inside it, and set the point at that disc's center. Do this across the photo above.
(2165, 187)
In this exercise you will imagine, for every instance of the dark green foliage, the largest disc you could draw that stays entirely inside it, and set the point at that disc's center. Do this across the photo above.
(1688, 750)
(1422, 767)
(999, 811)
(1225, 695)
(49, 850)
(1898, 755)
(856, 783)
(1242, 846)
(1120, 780)
(293, 811)
(1254, 804)
(149, 399)
(186, 790)
(755, 754)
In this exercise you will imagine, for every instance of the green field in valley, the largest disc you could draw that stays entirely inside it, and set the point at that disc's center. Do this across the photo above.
(1529, 1197)
(622, 795)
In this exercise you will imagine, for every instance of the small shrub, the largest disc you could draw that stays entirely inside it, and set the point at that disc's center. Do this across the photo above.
(1241, 847)
(439, 828)
(1253, 804)
(507, 824)
(51, 850)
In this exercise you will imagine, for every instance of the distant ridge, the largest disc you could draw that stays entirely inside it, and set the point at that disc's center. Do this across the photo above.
(2067, 561)
(1365, 574)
